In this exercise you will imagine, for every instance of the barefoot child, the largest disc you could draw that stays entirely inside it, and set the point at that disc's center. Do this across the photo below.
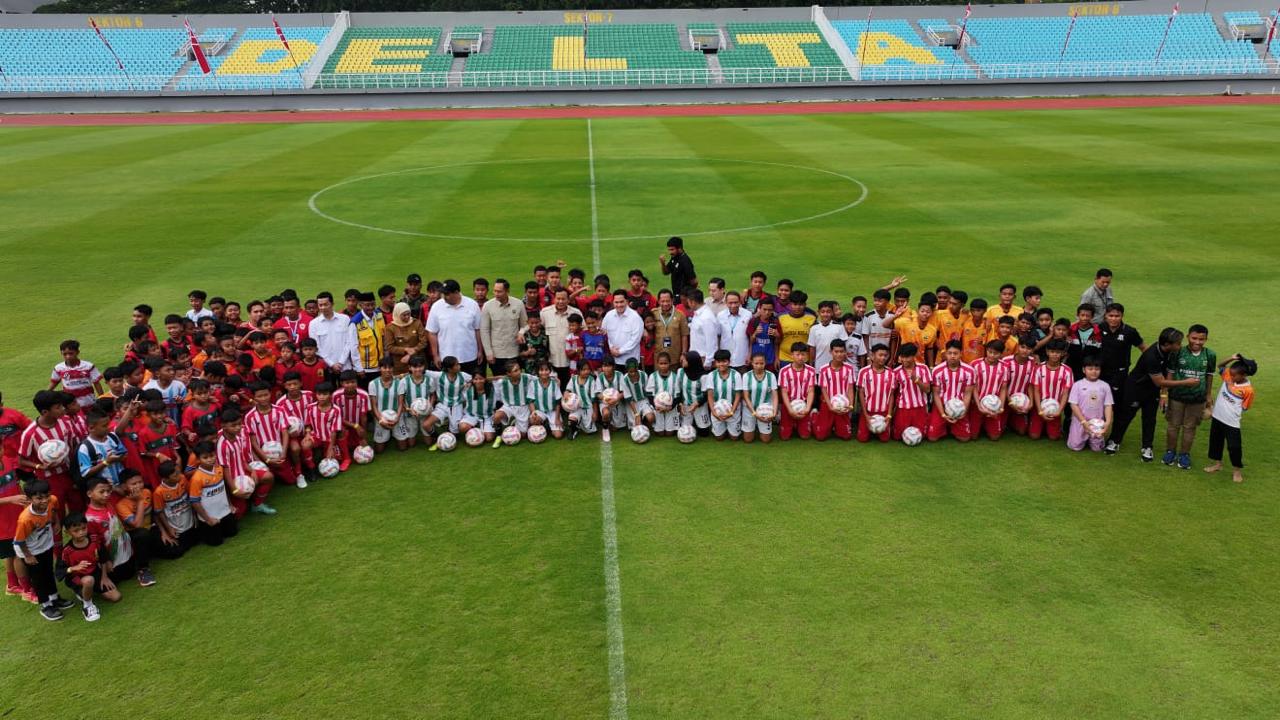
(1235, 396)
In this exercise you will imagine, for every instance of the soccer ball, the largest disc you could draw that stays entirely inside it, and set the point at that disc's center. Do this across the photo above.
(475, 437)
(1020, 402)
(53, 452)
(329, 467)
(296, 426)
(388, 416)
(260, 471)
(686, 434)
(570, 402)
(722, 408)
(447, 441)
(797, 406)
(610, 396)
(640, 434)
(537, 433)
(510, 435)
(990, 403)
(242, 486)
(839, 403)
(954, 408)
(764, 411)
(1096, 426)
(420, 407)
(363, 455)
(663, 401)
(912, 436)
(1050, 408)
(877, 424)
(273, 450)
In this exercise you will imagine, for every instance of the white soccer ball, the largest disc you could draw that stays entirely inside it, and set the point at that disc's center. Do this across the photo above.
(537, 433)
(797, 406)
(1050, 408)
(447, 441)
(1096, 426)
(663, 401)
(722, 408)
(570, 402)
(640, 434)
(765, 411)
(511, 435)
(475, 437)
(363, 455)
(388, 416)
(296, 426)
(1020, 402)
(260, 471)
(954, 408)
(273, 450)
(912, 436)
(686, 434)
(610, 396)
(839, 403)
(243, 486)
(53, 452)
(990, 403)
(329, 467)
(420, 407)
(877, 424)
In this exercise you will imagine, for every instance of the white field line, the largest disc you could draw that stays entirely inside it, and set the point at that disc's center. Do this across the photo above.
(612, 581)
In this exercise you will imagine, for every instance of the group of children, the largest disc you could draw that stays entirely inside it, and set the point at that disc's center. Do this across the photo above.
(173, 446)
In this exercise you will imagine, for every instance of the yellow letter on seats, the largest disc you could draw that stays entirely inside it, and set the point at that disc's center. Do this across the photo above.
(876, 47)
(373, 55)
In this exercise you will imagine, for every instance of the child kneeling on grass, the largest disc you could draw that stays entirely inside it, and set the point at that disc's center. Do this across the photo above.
(1234, 398)
(86, 572)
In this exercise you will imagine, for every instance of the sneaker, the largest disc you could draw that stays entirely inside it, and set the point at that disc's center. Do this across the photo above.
(12, 590)
(63, 604)
(50, 613)
(1169, 458)
(264, 509)
(1184, 461)
(344, 466)
(1111, 448)
(1148, 455)
(30, 596)
(302, 483)
(91, 613)
(146, 578)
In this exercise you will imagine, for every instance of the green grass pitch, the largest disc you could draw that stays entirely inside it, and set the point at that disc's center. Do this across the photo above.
(1013, 580)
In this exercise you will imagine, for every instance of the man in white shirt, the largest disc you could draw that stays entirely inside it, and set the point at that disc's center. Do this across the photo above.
(823, 332)
(704, 328)
(625, 328)
(453, 327)
(716, 303)
(733, 322)
(873, 326)
(335, 337)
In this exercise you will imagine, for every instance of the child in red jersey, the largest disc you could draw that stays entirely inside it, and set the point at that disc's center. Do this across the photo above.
(48, 426)
(294, 403)
(1022, 367)
(82, 557)
(354, 404)
(200, 414)
(76, 376)
(911, 390)
(796, 382)
(836, 380)
(266, 424)
(876, 384)
(310, 368)
(1052, 381)
(990, 378)
(157, 441)
(952, 382)
(324, 435)
(234, 451)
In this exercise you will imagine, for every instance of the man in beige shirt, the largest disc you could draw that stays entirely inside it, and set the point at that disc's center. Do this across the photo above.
(555, 323)
(501, 319)
(671, 334)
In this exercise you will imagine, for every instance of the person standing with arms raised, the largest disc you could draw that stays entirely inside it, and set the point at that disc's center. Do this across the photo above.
(677, 264)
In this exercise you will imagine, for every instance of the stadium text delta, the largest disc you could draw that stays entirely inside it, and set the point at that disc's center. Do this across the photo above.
(641, 363)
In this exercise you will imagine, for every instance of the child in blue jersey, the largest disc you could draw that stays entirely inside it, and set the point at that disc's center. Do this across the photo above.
(595, 344)
(763, 331)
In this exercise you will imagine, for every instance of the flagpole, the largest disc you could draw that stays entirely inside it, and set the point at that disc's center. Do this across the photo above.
(197, 51)
(968, 10)
(1066, 41)
(119, 63)
(862, 45)
(1167, 27)
(283, 41)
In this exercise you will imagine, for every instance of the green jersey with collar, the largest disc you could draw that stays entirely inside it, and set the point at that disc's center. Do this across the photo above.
(449, 390)
(759, 390)
(546, 397)
(385, 397)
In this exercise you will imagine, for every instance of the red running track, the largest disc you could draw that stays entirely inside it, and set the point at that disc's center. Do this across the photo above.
(533, 113)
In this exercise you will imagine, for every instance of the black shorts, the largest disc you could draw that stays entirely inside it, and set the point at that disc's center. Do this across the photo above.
(6, 549)
(73, 584)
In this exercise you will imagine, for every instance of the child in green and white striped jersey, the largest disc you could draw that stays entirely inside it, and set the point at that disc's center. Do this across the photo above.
(450, 385)
(546, 400)
(475, 410)
(692, 400)
(663, 380)
(618, 414)
(586, 387)
(637, 383)
(724, 384)
(759, 387)
(515, 392)
(419, 384)
(386, 395)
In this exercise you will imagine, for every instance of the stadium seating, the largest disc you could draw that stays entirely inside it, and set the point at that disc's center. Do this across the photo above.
(387, 57)
(893, 50)
(1103, 46)
(75, 60)
(796, 49)
(259, 61)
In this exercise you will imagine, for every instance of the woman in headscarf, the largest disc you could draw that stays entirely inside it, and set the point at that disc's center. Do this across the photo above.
(405, 337)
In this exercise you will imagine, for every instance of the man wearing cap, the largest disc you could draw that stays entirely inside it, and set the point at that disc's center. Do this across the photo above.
(624, 328)
(453, 327)
(500, 320)
(413, 296)
(371, 331)
(678, 265)
(555, 323)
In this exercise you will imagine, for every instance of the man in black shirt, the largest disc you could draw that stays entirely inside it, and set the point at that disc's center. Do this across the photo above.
(678, 265)
(1142, 392)
(1117, 340)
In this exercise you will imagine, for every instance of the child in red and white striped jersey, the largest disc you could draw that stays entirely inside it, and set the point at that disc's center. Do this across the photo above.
(991, 377)
(876, 384)
(911, 390)
(1022, 366)
(796, 381)
(1052, 381)
(836, 380)
(952, 380)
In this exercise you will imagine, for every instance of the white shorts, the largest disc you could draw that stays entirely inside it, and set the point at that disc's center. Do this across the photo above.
(449, 415)
(517, 414)
(666, 421)
(700, 417)
(619, 415)
(751, 424)
(733, 425)
(552, 421)
(644, 407)
(405, 428)
(582, 416)
(471, 421)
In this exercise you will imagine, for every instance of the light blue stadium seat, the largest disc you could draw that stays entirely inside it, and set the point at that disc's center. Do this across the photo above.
(894, 51)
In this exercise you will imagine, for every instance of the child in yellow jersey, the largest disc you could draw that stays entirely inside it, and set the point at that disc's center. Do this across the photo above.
(949, 319)
(973, 332)
(794, 325)
(918, 330)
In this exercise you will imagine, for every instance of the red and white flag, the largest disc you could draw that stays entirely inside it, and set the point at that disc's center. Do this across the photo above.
(103, 38)
(1271, 28)
(1175, 9)
(280, 33)
(196, 49)
(968, 10)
